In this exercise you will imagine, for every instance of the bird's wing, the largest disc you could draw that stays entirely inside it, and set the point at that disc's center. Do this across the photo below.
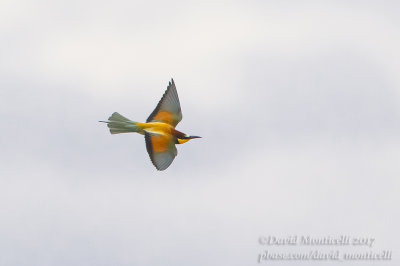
(161, 149)
(168, 109)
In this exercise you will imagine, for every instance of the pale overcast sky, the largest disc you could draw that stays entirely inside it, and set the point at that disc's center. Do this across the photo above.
(298, 104)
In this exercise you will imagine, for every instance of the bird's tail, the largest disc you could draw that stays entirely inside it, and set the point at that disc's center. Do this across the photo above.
(119, 124)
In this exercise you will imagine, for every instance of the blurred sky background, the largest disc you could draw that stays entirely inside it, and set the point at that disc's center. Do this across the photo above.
(297, 103)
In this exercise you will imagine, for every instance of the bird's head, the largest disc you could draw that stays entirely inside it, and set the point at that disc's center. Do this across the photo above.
(186, 138)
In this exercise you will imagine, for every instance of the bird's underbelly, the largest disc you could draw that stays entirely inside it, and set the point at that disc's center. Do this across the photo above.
(157, 128)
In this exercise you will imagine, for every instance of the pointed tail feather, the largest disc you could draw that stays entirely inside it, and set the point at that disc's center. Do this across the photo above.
(119, 124)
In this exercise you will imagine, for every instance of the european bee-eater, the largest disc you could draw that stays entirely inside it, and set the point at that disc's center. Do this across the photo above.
(159, 130)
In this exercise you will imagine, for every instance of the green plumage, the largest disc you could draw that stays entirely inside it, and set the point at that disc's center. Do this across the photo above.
(120, 124)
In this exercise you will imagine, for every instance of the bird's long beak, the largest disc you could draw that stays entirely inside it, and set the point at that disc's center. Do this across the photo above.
(194, 137)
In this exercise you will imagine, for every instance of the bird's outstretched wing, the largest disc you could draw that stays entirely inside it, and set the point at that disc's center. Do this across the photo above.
(168, 109)
(161, 149)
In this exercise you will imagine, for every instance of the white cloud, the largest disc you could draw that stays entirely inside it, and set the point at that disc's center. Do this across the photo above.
(297, 104)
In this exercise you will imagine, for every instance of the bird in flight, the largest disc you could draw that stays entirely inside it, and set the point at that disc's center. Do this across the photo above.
(159, 130)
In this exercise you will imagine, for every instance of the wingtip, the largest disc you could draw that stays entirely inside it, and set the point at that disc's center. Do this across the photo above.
(171, 83)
